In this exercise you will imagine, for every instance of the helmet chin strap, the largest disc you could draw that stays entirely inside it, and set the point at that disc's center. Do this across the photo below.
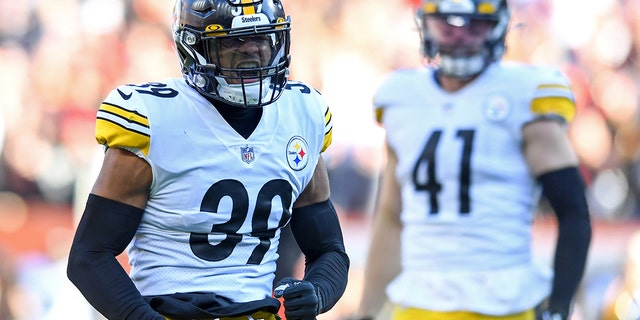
(254, 92)
(461, 67)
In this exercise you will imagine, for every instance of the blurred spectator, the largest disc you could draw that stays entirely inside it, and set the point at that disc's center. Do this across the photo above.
(58, 59)
(622, 295)
(7, 283)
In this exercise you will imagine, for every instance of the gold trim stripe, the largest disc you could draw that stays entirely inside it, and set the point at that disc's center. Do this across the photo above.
(328, 138)
(248, 9)
(553, 86)
(327, 118)
(119, 127)
(113, 135)
(127, 115)
(328, 129)
(430, 7)
(486, 8)
(561, 106)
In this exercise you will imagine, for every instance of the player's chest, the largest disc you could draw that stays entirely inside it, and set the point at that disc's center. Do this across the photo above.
(451, 135)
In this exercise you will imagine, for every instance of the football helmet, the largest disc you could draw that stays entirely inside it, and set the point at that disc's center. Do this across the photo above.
(466, 35)
(233, 51)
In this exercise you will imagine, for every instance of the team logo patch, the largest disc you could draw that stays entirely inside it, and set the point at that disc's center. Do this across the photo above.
(297, 156)
(497, 108)
(247, 154)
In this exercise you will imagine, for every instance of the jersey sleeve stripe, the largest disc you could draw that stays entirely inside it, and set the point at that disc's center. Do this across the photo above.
(109, 118)
(553, 90)
(561, 106)
(554, 86)
(117, 127)
(328, 130)
(327, 118)
(127, 115)
(112, 135)
(328, 138)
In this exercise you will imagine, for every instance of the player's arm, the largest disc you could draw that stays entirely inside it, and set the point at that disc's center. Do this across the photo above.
(317, 230)
(109, 222)
(552, 160)
(383, 260)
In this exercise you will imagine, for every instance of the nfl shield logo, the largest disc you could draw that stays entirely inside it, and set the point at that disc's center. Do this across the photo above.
(247, 154)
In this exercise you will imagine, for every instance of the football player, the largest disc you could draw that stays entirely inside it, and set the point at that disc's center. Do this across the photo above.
(202, 172)
(472, 144)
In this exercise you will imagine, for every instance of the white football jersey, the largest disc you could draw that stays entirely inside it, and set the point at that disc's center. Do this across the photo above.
(218, 200)
(468, 198)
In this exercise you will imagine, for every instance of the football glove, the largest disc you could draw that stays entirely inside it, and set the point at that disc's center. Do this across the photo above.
(300, 299)
(549, 315)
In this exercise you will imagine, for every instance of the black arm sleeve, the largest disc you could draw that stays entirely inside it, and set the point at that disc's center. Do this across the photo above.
(565, 191)
(104, 231)
(317, 230)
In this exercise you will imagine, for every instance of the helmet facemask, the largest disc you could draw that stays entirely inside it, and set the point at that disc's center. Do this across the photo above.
(250, 69)
(463, 40)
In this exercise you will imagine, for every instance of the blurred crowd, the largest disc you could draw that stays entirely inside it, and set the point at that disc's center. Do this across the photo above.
(60, 58)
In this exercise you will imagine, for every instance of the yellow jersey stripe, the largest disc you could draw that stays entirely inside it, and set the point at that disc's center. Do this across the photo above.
(117, 127)
(561, 106)
(553, 90)
(127, 115)
(328, 129)
(327, 119)
(113, 135)
(328, 138)
(553, 86)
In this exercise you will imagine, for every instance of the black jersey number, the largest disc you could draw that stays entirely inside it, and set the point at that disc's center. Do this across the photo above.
(303, 88)
(156, 89)
(236, 191)
(428, 159)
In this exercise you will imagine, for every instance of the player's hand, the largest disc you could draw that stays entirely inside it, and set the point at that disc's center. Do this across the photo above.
(550, 315)
(301, 301)
(552, 311)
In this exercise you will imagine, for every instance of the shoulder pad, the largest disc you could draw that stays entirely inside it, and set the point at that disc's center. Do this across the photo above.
(552, 95)
(121, 121)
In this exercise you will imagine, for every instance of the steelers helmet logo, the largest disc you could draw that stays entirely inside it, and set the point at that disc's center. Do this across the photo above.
(297, 150)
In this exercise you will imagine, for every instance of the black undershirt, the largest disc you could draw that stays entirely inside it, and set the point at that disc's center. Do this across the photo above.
(243, 120)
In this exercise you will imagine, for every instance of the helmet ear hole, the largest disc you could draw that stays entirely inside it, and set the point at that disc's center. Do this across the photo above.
(232, 74)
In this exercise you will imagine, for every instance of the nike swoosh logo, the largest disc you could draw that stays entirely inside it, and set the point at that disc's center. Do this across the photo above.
(124, 96)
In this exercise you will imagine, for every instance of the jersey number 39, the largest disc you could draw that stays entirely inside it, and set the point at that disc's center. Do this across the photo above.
(234, 189)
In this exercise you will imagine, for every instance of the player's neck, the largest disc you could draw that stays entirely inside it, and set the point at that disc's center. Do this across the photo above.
(451, 84)
(243, 120)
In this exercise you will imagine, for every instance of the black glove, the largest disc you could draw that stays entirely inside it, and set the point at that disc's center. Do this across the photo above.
(545, 314)
(301, 301)
(548, 315)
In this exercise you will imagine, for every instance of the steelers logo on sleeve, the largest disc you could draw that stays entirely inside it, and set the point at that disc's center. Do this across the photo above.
(297, 150)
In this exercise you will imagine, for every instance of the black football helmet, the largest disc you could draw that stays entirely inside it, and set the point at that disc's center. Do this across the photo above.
(204, 29)
(456, 60)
